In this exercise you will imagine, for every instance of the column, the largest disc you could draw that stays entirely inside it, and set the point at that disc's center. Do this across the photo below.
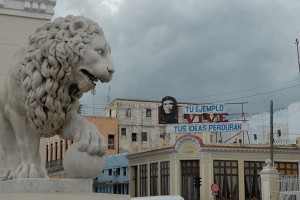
(269, 182)
(241, 175)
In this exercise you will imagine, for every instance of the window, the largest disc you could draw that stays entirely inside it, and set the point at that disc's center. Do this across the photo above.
(279, 132)
(134, 170)
(51, 152)
(124, 171)
(153, 179)
(47, 153)
(144, 136)
(133, 137)
(165, 177)
(143, 180)
(252, 179)
(255, 137)
(128, 112)
(148, 112)
(162, 135)
(286, 168)
(189, 170)
(117, 172)
(109, 172)
(123, 132)
(61, 148)
(66, 145)
(111, 141)
(226, 175)
(56, 150)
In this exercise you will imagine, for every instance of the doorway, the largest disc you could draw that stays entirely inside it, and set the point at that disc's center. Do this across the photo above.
(189, 170)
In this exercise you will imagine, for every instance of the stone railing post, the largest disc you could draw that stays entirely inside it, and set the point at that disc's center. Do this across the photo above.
(269, 182)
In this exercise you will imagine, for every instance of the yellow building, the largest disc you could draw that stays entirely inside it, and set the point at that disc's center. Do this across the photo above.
(234, 167)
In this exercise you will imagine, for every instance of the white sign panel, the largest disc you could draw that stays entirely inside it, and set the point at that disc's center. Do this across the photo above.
(196, 109)
(213, 127)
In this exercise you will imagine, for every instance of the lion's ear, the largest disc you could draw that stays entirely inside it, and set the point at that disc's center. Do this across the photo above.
(77, 26)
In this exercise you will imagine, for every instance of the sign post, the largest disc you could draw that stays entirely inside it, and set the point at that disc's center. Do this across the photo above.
(215, 189)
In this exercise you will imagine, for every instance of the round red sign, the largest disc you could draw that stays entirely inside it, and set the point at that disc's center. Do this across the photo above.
(215, 187)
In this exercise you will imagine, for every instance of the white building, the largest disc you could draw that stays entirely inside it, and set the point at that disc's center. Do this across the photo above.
(286, 126)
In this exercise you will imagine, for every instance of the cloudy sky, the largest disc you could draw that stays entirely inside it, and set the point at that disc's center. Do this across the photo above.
(215, 51)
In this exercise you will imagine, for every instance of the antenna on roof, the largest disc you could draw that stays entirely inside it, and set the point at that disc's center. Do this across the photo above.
(297, 42)
(93, 91)
(108, 96)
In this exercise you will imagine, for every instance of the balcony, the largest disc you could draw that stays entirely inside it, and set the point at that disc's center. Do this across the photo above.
(54, 164)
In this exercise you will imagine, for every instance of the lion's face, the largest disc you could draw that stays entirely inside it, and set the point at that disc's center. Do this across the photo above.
(64, 59)
(96, 65)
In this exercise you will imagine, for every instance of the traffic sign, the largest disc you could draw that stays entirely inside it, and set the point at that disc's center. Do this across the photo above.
(215, 187)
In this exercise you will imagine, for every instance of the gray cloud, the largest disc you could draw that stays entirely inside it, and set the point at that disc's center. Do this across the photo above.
(193, 49)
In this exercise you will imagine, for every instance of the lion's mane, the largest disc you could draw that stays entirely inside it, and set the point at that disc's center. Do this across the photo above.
(53, 51)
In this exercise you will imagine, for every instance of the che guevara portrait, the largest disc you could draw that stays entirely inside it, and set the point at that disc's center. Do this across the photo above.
(168, 111)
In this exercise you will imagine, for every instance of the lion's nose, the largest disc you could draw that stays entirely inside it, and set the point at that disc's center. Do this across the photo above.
(111, 69)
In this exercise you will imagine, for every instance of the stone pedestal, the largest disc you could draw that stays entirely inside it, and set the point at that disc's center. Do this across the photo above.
(48, 189)
(46, 185)
(63, 196)
(269, 182)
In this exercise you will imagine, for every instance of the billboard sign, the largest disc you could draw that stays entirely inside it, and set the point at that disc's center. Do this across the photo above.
(206, 108)
(197, 118)
(214, 127)
(168, 111)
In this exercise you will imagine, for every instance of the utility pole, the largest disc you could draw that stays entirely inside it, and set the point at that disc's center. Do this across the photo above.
(297, 42)
(271, 132)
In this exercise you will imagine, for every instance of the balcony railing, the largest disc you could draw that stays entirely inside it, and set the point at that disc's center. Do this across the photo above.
(54, 164)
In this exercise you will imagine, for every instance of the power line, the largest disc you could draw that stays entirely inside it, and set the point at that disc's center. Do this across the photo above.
(242, 90)
(257, 94)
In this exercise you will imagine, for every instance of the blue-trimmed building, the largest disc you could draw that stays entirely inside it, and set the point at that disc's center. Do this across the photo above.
(114, 177)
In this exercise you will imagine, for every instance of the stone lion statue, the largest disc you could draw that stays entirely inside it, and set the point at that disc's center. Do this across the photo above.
(62, 60)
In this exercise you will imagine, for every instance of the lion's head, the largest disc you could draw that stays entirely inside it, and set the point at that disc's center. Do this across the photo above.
(63, 60)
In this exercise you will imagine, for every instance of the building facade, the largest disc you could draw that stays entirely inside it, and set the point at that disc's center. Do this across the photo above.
(140, 128)
(56, 147)
(234, 167)
(137, 116)
(137, 124)
(114, 177)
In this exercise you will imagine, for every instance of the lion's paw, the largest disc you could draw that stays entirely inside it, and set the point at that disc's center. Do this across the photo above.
(91, 141)
(8, 175)
(28, 171)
